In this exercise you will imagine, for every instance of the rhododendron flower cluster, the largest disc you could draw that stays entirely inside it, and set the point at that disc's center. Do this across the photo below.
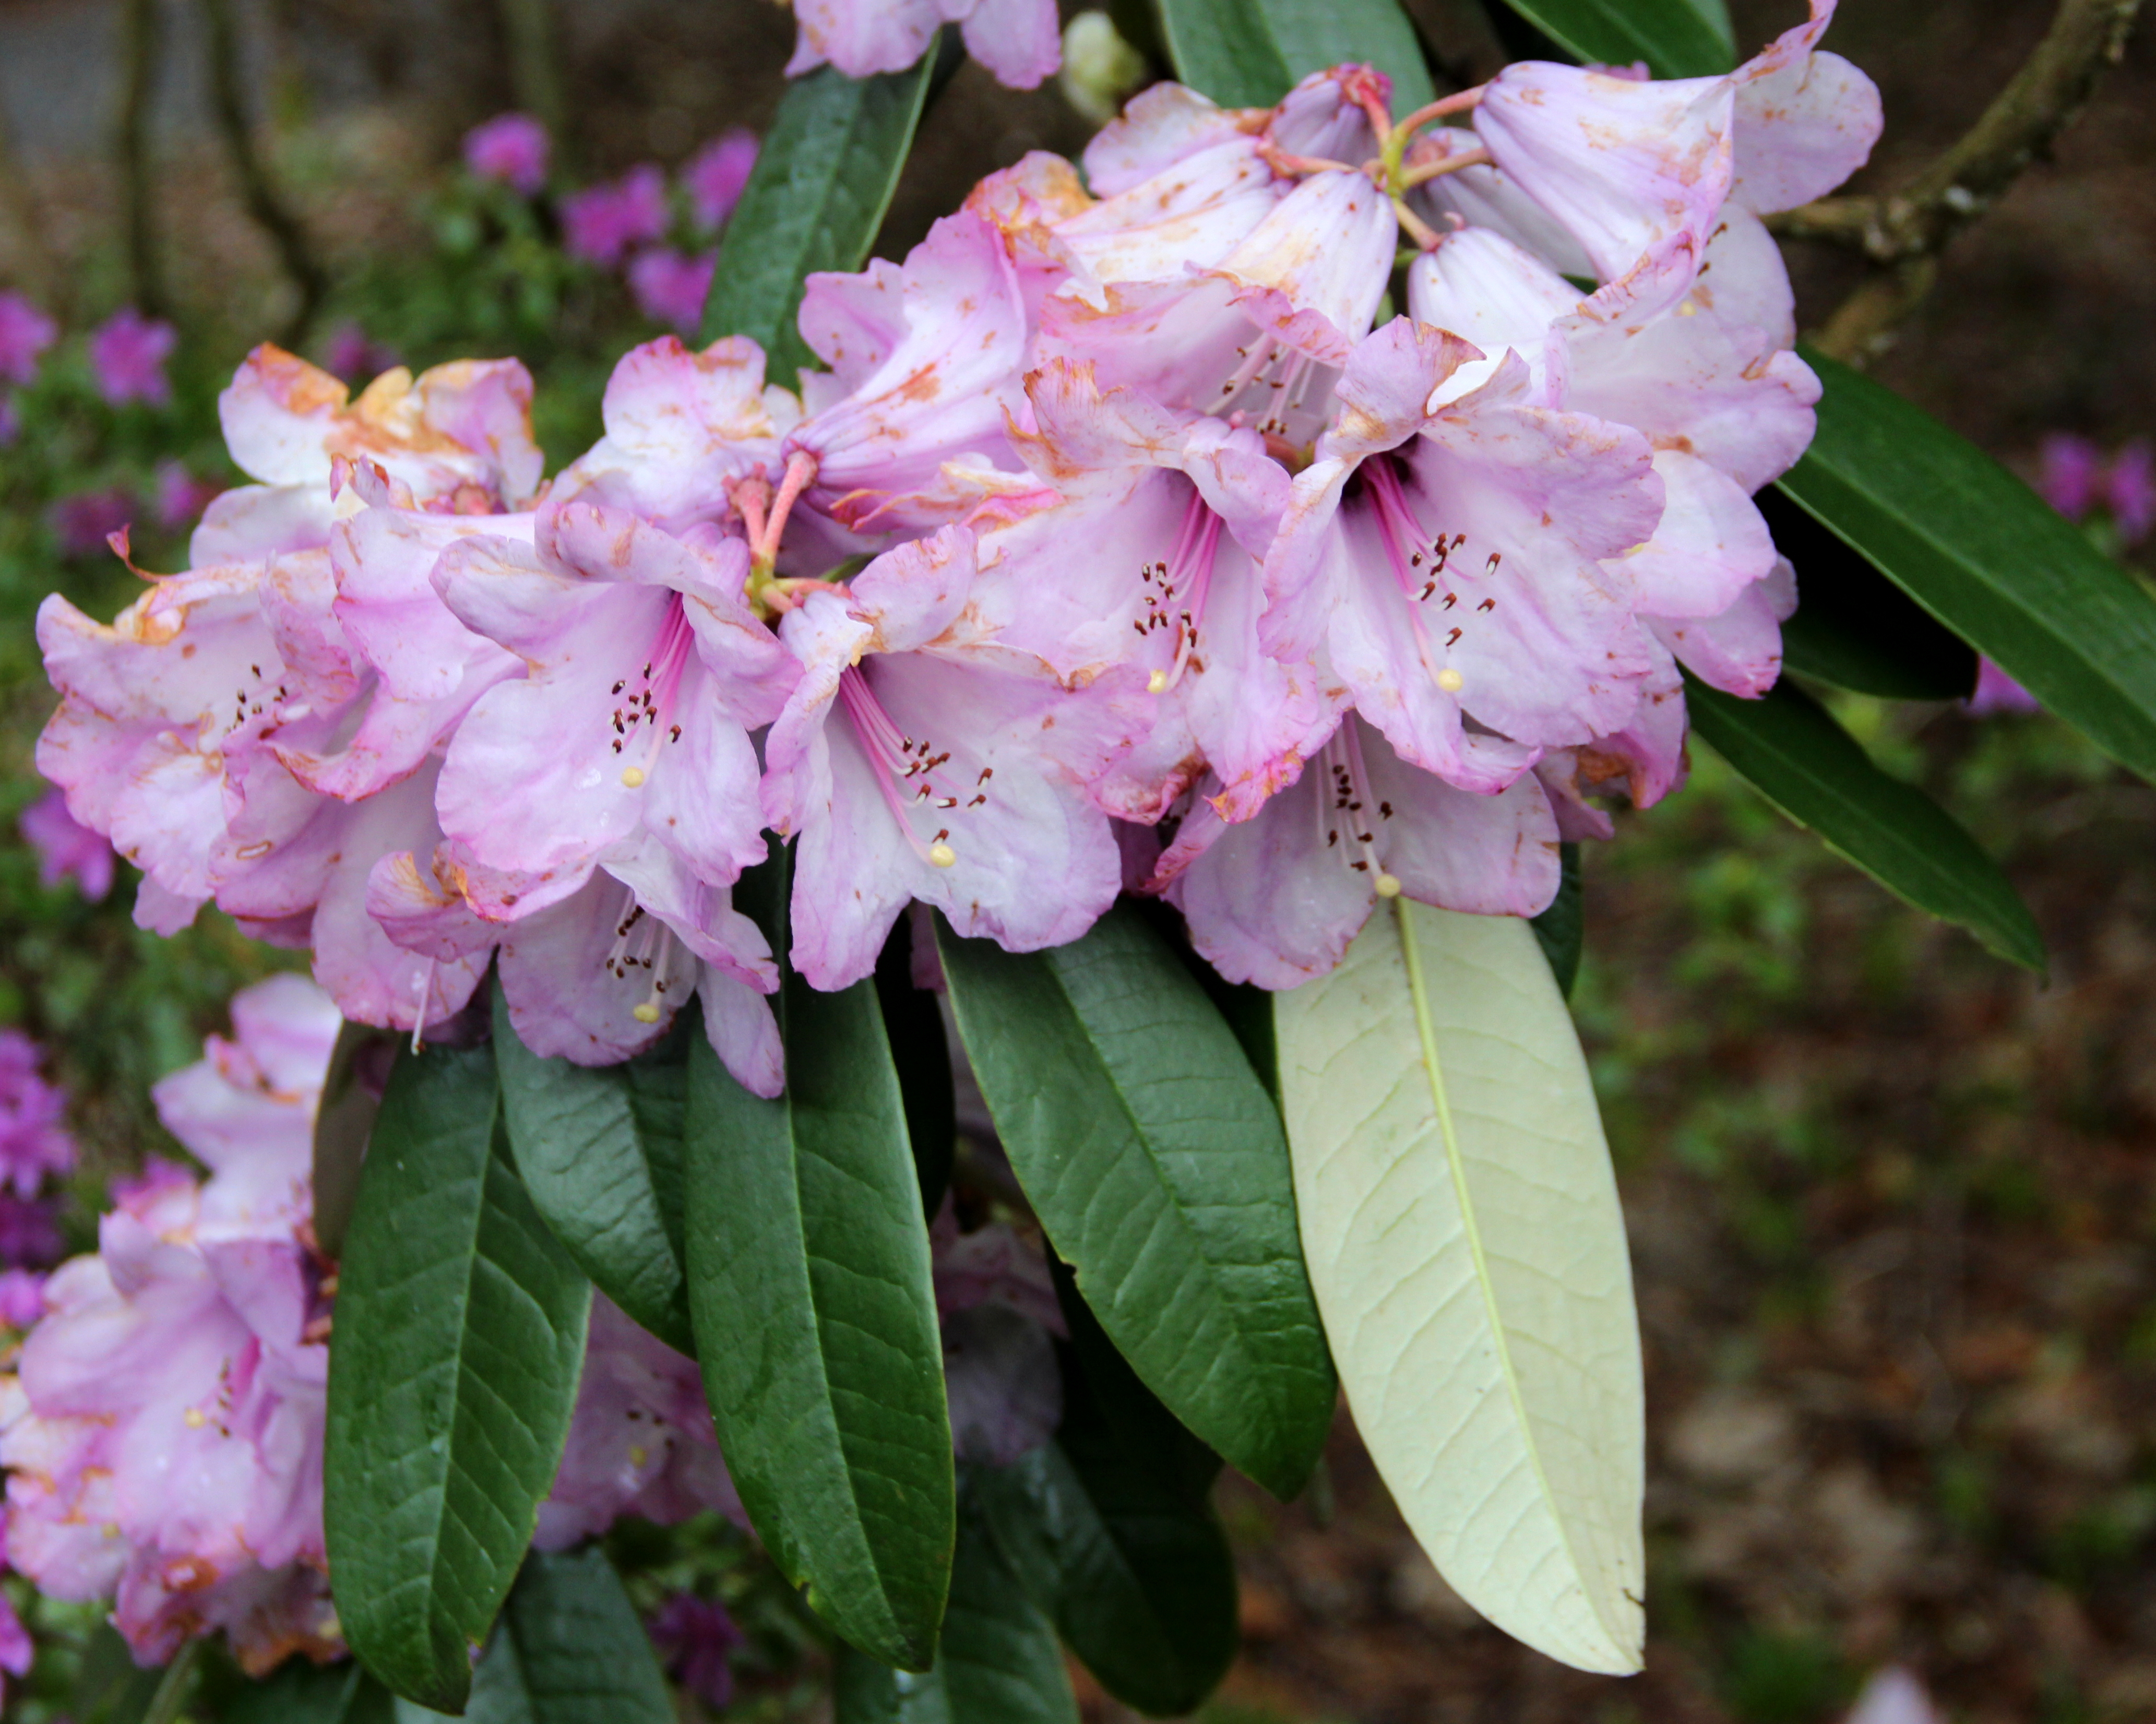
(1117, 538)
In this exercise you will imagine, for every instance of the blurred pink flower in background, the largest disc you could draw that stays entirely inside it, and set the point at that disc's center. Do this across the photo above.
(695, 1635)
(25, 333)
(2133, 490)
(2071, 474)
(65, 846)
(669, 287)
(22, 1297)
(29, 1234)
(181, 497)
(601, 224)
(353, 354)
(34, 1141)
(713, 177)
(128, 351)
(11, 421)
(84, 522)
(1998, 692)
(511, 149)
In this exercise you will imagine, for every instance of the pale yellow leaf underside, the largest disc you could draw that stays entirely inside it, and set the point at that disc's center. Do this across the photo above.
(1462, 1229)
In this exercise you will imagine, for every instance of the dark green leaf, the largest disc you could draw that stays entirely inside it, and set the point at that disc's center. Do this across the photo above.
(1982, 554)
(298, 1692)
(600, 1151)
(1854, 627)
(1677, 39)
(351, 1090)
(111, 1689)
(1816, 773)
(569, 1650)
(1112, 1540)
(454, 1365)
(914, 1022)
(1156, 1161)
(821, 184)
(1248, 53)
(998, 1662)
(808, 1281)
(1562, 929)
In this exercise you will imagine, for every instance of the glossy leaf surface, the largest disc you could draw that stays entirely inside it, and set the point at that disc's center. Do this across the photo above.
(454, 1366)
(1248, 53)
(1463, 1233)
(1987, 556)
(1819, 775)
(815, 1319)
(1155, 1160)
(822, 182)
(299, 1692)
(600, 1151)
(998, 1662)
(1677, 39)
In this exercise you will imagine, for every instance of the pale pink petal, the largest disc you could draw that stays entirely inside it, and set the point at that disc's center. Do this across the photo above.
(1019, 41)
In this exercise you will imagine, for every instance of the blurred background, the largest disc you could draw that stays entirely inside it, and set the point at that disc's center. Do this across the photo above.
(1892, 1203)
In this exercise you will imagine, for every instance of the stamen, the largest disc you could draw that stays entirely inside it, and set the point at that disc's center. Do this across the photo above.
(647, 698)
(1190, 570)
(897, 759)
(1348, 777)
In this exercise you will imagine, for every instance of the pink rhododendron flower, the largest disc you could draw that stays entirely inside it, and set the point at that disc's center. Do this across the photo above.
(21, 1299)
(695, 1637)
(66, 847)
(2132, 486)
(351, 352)
(2071, 479)
(1019, 41)
(163, 1434)
(998, 1312)
(457, 437)
(83, 522)
(716, 175)
(669, 287)
(181, 497)
(641, 1440)
(29, 1231)
(1998, 692)
(34, 1143)
(511, 149)
(127, 355)
(25, 333)
(601, 224)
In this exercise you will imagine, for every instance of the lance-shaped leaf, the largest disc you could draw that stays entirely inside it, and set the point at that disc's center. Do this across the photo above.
(1463, 1230)
(454, 1365)
(1677, 39)
(998, 1662)
(1109, 1530)
(1819, 775)
(570, 1650)
(1248, 53)
(815, 1321)
(1855, 627)
(1987, 556)
(600, 1151)
(913, 1021)
(1562, 929)
(1155, 1160)
(822, 182)
(351, 1093)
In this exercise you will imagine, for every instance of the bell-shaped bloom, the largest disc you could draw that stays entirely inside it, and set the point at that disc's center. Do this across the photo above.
(1145, 580)
(128, 357)
(717, 175)
(932, 359)
(511, 149)
(163, 1438)
(918, 757)
(25, 334)
(1275, 900)
(1449, 557)
(67, 849)
(458, 439)
(1625, 165)
(1018, 41)
(646, 670)
(680, 426)
(640, 1441)
(34, 1143)
(602, 224)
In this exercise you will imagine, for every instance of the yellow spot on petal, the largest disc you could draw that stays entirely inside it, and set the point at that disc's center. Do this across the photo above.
(633, 776)
(943, 855)
(1388, 886)
(637, 1457)
(647, 1013)
(1156, 683)
(196, 1418)
(1451, 680)
(1687, 309)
